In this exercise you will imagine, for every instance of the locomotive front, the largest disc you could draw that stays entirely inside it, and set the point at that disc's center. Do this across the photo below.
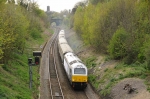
(77, 71)
(79, 76)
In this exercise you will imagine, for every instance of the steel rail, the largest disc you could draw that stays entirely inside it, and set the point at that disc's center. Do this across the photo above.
(56, 70)
(50, 86)
(53, 73)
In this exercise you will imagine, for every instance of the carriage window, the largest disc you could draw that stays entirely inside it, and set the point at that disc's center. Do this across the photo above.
(79, 71)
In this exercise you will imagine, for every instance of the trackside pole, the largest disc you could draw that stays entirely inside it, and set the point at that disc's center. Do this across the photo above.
(30, 78)
(36, 62)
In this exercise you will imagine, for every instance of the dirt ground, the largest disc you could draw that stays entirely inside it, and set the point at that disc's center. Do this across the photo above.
(140, 90)
(117, 91)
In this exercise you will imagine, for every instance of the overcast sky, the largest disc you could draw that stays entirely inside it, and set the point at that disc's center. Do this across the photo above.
(57, 5)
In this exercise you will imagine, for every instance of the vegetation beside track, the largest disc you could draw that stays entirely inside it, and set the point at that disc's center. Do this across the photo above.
(103, 77)
(22, 31)
(120, 29)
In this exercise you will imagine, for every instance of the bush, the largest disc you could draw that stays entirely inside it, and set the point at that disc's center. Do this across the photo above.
(147, 54)
(117, 46)
(144, 54)
(92, 78)
(35, 33)
(90, 62)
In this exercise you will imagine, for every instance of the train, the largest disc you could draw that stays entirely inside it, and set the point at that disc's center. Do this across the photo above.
(75, 69)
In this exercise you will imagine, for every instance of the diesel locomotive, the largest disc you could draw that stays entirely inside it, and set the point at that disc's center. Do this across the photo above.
(76, 71)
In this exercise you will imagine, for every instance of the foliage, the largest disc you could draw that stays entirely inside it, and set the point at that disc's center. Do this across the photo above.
(117, 46)
(120, 28)
(35, 33)
(13, 26)
(113, 75)
(17, 28)
(39, 12)
(42, 15)
(2, 1)
(90, 62)
(78, 20)
(92, 79)
(66, 21)
(94, 2)
(102, 24)
(34, 23)
(14, 81)
(147, 55)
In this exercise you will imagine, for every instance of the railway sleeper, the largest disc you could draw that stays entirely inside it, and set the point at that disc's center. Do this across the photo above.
(53, 76)
(57, 95)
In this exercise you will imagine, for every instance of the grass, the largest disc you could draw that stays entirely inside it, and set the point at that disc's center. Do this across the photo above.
(111, 76)
(14, 82)
(14, 79)
(14, 76)
(92, 79)
(90, 62)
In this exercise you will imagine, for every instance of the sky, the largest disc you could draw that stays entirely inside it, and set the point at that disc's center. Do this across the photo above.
(57, 5)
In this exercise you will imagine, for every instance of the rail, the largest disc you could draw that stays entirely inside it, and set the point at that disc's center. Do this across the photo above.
(55, 86)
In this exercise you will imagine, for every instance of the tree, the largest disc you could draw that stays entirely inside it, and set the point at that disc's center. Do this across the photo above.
(2, 1)
(13, 28)
(117, 46)
(95, 2)
(79, 4)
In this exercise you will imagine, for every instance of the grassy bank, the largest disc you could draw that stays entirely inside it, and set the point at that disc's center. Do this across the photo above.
(14, 83)
(103, 79)
(14, 76)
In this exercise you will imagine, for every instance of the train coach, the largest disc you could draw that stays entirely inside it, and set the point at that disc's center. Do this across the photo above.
(61, 34)
(76, 71)
(63, 47)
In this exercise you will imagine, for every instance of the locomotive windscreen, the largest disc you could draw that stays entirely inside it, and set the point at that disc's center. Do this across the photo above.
(79, 71)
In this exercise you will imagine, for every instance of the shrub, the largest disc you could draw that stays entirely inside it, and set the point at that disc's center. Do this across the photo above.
(117, 46)
(90, 62)
(35, 33)
(92, 78)
(147, 54)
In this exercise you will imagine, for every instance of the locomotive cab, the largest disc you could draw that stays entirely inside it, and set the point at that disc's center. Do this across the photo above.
(79, 76)
(76, 71)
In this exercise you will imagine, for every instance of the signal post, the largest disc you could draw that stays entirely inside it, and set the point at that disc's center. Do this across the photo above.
(37, 55)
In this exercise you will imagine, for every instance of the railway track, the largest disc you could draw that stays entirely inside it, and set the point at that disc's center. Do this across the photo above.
(54, 83)
(55, 91)
(67, 92)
